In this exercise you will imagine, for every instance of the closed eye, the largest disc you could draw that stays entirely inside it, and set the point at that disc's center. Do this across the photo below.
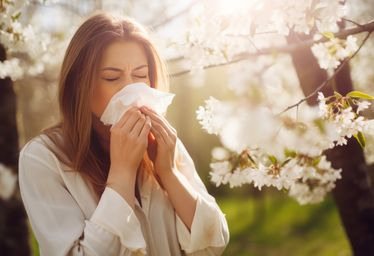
(116, 78)
(111, 79)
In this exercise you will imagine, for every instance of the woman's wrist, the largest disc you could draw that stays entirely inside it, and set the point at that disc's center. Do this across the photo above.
(166, 176)
(123, 182)
(121, 174)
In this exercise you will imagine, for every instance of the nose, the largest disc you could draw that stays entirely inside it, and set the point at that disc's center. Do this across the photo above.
(128, 79)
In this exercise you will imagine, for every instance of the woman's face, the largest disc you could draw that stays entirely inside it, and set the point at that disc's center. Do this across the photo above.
(122, 63)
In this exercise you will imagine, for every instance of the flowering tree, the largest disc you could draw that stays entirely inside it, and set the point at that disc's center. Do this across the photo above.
(269, 138)
(276, 52)
(283, 142)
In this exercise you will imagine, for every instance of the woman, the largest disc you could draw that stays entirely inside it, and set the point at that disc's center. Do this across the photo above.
(91, 189)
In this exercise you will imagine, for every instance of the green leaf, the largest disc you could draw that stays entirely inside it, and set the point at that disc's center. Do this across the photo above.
(361, 139)
(360, 95)
(319, 123)
(285, 162)
(251, 159)
(316, 161)
(16, 16)
(345, 104)
(273, 159)
(328, 35)
(289, 153)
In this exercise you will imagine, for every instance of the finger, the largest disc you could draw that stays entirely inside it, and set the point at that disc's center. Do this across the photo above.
(146, 128)
(153, 114)
(129, 124)
(170, 134)
(138, 126)
(157, 135)
(128, 113)
(160, 119)
(123, 118)
(157, 127)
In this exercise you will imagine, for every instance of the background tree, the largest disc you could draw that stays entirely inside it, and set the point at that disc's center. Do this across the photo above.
(275, 57)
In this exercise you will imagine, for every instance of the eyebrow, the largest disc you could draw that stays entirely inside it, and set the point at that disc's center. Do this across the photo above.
(118, 69)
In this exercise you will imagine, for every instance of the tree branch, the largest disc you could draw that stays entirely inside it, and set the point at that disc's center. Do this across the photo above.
(69, 7)
(368, 27)
(330, 78)
(180, 13)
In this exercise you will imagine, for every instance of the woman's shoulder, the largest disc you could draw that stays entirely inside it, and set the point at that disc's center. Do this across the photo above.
(39, 171)
(40, 148)
(36, 145)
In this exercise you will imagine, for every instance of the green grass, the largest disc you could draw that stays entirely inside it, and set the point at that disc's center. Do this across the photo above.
(276, 225)
(33, 243)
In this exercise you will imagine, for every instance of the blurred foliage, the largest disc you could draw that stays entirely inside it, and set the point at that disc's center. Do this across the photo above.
(277, 225)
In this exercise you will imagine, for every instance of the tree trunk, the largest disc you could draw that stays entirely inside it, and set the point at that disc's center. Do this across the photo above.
(353, 193)
(14, 235)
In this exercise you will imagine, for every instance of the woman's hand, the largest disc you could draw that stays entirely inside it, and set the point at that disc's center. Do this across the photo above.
(128, 142)
(182, 196)
(166, 137)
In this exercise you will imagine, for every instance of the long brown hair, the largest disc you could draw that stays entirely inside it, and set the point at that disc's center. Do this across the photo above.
(75, 141)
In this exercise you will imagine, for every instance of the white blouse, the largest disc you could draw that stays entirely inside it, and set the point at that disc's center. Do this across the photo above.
(67, 219)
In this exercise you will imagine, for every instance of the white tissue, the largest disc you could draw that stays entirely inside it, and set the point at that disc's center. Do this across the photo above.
(135, 94)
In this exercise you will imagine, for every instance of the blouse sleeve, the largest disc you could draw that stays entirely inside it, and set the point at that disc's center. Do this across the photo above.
(209, 233)
(59, 224)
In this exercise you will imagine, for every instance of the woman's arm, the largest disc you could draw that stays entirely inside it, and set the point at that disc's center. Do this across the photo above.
(59, 224)
(204, 229)
(201, 226)
(182, 196)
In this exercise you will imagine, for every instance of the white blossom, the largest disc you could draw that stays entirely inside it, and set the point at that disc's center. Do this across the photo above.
(11, 68)
(220, 173)
(290, 154)
(322, 105)
(214, 115)
(330, 53)
(7, 182)
(362, 105)
(220, 153)
(36, 47)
